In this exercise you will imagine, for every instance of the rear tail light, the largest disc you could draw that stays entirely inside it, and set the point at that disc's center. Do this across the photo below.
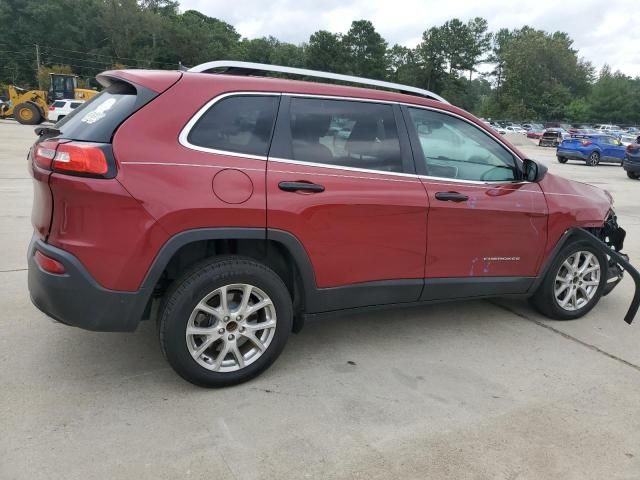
(51, 108)
(44, 153)
(48, 264)
(80, 158)
(633, 147)
(586, 143)
(75, 158)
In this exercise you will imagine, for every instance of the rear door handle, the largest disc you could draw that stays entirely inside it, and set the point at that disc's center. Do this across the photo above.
(452, 197)
(301, 187)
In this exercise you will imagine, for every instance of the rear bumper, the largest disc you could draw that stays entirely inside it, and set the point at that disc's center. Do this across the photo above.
(571, 154)
(631, 166)
(75, 298)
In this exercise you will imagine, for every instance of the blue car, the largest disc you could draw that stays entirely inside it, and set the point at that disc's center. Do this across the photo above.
(591, 149)
(631, 161)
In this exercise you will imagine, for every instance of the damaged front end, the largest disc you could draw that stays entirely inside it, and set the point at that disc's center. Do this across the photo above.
(610, 240)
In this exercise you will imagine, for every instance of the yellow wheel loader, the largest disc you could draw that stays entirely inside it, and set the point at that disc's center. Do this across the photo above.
(30, 107)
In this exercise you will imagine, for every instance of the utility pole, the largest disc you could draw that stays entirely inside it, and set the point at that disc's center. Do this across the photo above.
(38, 66)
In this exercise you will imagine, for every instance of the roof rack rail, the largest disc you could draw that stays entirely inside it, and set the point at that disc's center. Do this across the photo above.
(250, 68)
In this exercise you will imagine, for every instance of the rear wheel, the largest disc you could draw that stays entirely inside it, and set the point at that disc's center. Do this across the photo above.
(633, 175)
(225, 322)
(27, 114)
(574, 283)
(594, 159)
(562, 159)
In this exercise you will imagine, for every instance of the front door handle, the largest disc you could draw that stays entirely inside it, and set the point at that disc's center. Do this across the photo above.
(452, 197)
(301, 187)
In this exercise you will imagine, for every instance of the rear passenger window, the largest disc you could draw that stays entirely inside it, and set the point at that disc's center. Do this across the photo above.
(240, 124)
(59, 103)
(345, 133)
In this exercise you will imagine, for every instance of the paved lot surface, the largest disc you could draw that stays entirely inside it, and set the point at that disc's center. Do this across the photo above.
(478, 390)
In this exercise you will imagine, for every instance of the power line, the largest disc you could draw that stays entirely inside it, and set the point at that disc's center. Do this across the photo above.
(22, 54)
(44, 47)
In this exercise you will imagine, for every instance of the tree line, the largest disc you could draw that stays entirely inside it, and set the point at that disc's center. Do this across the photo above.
(522, 73)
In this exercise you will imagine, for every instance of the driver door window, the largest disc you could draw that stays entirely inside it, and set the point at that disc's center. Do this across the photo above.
(453, 148)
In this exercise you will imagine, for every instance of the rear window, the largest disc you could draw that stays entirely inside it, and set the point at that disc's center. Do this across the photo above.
(97, 119)
(239, 124)
(59, 103)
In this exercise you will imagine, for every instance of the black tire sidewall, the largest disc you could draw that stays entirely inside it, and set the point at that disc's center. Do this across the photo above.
(592, 162)
(191, 288)
(544, 299)
(36, 114)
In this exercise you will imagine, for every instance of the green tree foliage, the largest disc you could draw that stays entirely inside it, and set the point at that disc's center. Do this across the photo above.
(615, 98)
(366, 51)
(521, 73)
(325, 51)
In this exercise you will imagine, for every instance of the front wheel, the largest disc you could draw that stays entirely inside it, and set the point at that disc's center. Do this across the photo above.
(225, 322)
(573, 284)
(633, 175)
(562, 159)
(27, 114)
(594, 159)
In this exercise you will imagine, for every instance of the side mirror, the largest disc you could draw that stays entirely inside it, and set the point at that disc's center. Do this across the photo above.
(532, 171)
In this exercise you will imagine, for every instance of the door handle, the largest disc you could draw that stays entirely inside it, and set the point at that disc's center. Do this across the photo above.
(301, 187)
(452, 197)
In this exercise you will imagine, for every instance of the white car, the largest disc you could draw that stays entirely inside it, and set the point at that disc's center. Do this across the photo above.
(608, 128)
(61, 108)
(515, 129)
(627, 140)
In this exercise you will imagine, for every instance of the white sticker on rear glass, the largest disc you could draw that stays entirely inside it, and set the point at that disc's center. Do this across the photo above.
(100, 111)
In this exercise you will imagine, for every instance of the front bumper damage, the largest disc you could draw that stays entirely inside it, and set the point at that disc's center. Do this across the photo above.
(610, 240)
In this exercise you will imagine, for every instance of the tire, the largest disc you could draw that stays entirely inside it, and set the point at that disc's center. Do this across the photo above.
(540, 143)
(549, 302)
(594, 159)
(562, 159)
(27, 114)
(633, 175)
(202, 287)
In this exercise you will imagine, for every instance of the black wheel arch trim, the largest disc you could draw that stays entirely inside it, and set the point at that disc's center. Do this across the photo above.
(575, 234)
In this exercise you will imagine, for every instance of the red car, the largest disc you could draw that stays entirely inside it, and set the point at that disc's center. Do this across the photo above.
(237, 206)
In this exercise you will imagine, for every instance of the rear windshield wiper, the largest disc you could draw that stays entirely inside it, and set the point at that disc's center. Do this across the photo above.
(48, 131)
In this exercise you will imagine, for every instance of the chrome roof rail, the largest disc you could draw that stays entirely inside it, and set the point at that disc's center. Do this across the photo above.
(250, 68)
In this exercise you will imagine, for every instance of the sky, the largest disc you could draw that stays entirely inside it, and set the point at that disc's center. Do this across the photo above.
(603, 31)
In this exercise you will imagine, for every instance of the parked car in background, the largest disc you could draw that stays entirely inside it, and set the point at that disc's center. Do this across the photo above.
(515, 129)
(61, 108)
(631, 162)
(535, 133)
(552, 137)
(499, 129)
(592, 149)
(628, 139)
(608, 128)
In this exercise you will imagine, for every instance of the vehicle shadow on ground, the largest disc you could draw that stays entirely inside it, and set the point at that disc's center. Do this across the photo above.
(136, 359)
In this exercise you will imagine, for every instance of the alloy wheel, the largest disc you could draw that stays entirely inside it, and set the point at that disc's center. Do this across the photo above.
(577, 281)
(231, 327)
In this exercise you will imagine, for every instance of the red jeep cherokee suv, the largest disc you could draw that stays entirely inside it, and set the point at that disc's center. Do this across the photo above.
(232, 206)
